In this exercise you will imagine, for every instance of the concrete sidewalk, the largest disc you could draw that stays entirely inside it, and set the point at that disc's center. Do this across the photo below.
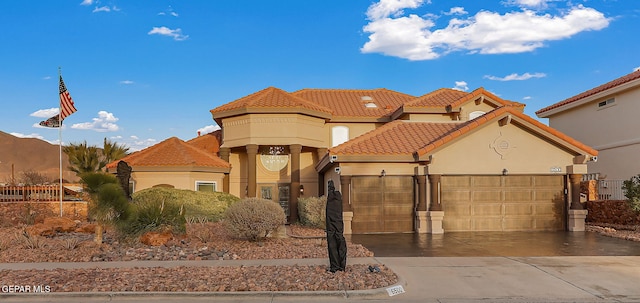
(424, 279)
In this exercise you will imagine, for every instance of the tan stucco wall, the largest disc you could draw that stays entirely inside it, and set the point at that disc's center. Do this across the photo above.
(180, 180)
(522, 153)
(612, 130)
(375, 169)
(355, 130)
(273, 129)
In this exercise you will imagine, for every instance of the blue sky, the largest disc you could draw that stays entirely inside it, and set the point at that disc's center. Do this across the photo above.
(143, 71)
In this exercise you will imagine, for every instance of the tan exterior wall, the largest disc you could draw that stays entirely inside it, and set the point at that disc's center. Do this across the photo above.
(375, 169)
(612, 130)
(493, 148)
(355, 130)
(180, 180)
(472, 107)
(273, 129)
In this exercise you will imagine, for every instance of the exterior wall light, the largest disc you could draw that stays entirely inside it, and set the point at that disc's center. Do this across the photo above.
(383, 173)
(301, 189)
(505, 172)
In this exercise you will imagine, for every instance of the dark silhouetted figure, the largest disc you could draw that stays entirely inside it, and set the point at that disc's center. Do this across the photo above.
(123, 173)
(335, 228)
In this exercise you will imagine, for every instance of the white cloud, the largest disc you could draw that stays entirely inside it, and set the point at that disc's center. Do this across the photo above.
(636, 69)
(101, 9)
(208, 129)
(529, 3)
(516, 77)
(414, 37)
(46, 78)
(105, 122)
(45, 113)
(168, 11)
(32, 135)
(456, 11)
(462, 86)
(86, 2)
(527, 98)
(127, 82)
(134, 137)
(176, 34)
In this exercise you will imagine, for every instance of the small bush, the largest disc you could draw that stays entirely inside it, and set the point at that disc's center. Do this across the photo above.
(28, 241)
(157, 216)
(631, 190)
(253, 218)
(70, 243)
(312, 211)
(198, 206)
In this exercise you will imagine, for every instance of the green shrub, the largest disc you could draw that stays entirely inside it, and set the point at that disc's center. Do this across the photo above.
(631, 190)
(157, 216)
(253, 218)
(198, 206)
(312, 211)
(93, 181)
(110, 205)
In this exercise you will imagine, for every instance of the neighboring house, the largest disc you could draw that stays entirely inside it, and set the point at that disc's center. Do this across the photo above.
(606, 118)
(175, 163)
(445, 161)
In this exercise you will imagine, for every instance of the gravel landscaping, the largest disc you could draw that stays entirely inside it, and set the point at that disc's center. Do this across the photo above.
(202, 242)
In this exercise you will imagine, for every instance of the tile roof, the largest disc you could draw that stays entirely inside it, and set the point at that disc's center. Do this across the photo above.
(399, 137)
(271, 97)
(350, 102)
(210, 142)
(402, 137)
(439, 98)
(172, 152)
(609, 85)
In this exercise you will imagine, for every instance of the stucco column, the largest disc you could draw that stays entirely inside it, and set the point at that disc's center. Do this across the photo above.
(435, 203)
(422, 193)
(252, 151)
(294, 192)
(321, 152)
(575, 179)
(345, 188)
(224, 153)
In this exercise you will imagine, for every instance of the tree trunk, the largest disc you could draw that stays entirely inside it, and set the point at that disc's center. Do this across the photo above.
(98, 236)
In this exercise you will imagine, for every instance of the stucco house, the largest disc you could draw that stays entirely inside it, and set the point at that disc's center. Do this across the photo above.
(178, 164)
(445, 161)
(606, 118)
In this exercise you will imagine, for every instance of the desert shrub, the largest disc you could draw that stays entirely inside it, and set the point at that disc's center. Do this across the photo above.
(631, 190)
(29, 241)
(312, 211)
(110, 205)
(198, 206)
(93, 181)
(253, 218)
(156, 216)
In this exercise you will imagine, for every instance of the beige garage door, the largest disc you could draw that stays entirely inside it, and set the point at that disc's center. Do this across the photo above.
(503, 203)
(382, 204)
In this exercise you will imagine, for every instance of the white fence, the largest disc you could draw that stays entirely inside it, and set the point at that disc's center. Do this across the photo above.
(610, 190)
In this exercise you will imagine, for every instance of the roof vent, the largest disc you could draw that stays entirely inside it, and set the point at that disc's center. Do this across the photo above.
(366, 98)
(370, 105)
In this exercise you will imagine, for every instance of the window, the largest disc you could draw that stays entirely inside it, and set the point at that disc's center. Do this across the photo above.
(339, 135)
(475, 114)
(606, 103)
(209, 186)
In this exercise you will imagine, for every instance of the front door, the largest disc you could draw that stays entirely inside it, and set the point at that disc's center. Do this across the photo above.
(278, 193)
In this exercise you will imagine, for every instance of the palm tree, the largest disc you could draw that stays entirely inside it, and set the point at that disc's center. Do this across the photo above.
(89, 159)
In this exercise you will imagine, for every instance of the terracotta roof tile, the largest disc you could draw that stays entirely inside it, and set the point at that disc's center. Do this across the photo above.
(395, 138)
(271, 97)
(350, 102)
(438, 98)
(609, 85)
(210, 142)
(172, 152)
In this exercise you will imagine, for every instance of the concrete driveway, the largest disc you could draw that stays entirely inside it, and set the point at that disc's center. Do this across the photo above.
(497, 244)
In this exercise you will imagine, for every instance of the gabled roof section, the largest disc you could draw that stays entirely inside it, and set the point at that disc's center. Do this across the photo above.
(438, 98)
(486, 96)
(268, 100)
(399, 137)
(173, 152)
(352, 103)
(509, 112)
(631, 79)
(210, 142)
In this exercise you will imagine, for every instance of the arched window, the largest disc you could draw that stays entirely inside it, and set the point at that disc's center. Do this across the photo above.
(339, 135)
(475, 114)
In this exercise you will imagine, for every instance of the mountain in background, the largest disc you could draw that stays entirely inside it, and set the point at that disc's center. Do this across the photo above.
(26, 154)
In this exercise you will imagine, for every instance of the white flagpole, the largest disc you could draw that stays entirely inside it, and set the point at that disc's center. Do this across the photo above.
(60, 144)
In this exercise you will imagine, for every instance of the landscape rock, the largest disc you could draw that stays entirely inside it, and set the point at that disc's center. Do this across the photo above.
(156, 238)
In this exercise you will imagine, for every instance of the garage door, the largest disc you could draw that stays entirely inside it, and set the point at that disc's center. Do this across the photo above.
(382, 204)
(503, 203)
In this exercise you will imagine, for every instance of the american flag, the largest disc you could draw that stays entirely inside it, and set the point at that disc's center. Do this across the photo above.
(66, 103)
